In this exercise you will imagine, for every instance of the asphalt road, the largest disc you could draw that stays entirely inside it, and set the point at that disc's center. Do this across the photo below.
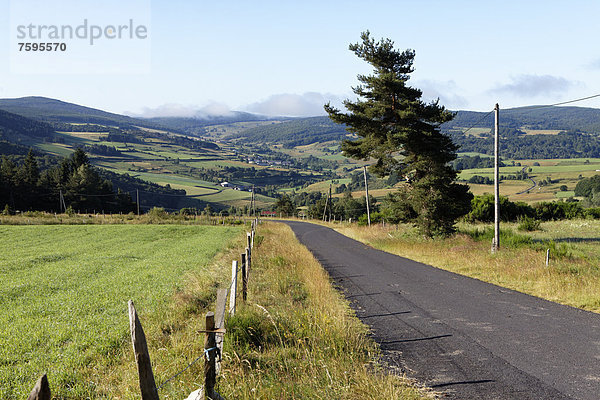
(461, 336)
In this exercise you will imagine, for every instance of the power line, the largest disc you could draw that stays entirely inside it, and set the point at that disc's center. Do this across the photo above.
(560, 103)
(478, 122)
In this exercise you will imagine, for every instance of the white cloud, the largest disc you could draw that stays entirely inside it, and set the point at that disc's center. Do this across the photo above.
(535, 85)
(293, 105)
(446, 91)
(180, 110)
(594, 64)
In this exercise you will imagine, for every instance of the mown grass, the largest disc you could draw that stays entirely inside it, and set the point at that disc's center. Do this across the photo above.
(572, 277)
(64, 299)
(296, 338)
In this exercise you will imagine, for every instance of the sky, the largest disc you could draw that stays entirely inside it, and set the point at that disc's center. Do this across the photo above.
(289, 58)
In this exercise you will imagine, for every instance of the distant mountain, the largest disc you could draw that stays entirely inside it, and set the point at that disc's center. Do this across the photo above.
(195, 125)
(544, 118)
(52, 110)
(296, 132)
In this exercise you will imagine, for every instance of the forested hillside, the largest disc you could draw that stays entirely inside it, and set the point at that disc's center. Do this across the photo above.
(544, 118)
(563, 145)
(297, 132)
(12, 125)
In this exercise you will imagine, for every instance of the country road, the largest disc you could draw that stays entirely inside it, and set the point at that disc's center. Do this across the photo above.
(463, 337)
(534, 183)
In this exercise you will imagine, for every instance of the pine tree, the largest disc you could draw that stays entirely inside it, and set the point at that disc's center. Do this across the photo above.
(401, 132)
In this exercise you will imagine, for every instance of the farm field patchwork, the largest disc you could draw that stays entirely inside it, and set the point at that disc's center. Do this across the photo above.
(65, 290)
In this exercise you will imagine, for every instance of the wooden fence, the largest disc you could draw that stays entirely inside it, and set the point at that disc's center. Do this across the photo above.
(213, 342)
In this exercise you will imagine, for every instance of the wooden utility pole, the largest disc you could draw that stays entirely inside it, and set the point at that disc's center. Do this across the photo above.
(137, 200)
(325, 209)
(253, 203)
(330, 199)
(496, 242)
(367, 195)
(63, 206)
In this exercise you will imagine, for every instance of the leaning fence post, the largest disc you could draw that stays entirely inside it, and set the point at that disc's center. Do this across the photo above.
(41, 390)
(210, 346)
(233, 291)
(142, 357)
(244, 278)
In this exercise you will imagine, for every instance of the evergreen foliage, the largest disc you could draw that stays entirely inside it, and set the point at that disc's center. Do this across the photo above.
(391, 119)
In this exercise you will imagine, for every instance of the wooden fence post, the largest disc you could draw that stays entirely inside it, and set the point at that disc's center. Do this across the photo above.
(248, 261)
(233, 291)
(244, 278)
(142, 357)
(249, 238)
(210, 369)
(220, 322)
(41, 390)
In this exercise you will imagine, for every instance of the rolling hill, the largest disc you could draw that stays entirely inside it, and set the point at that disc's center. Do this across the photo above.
(52, 110)
(296, 132)
(195, 125)
(535, 117)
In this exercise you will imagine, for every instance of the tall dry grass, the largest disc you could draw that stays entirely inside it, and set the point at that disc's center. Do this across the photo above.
(570, 280)
(297, 338)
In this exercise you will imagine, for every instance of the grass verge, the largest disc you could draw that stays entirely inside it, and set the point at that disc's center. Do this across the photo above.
(297, 338)
(572, 277)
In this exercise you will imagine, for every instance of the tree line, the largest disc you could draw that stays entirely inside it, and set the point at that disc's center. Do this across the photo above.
(563, 145)
(25, 187)
(30, 183)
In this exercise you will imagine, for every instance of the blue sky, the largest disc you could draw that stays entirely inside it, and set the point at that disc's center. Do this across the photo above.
(284, 57)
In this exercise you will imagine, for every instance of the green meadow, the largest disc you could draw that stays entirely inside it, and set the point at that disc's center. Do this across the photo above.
(65, 289)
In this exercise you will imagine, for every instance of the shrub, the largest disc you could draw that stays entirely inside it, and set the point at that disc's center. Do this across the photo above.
(528, 224)
(376, 217)
(551, 211)
(482, 209)
(157, 212)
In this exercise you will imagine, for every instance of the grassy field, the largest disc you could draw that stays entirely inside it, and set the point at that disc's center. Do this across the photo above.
(65, 292)
(572, 277)
(560, 171)
(296, 337)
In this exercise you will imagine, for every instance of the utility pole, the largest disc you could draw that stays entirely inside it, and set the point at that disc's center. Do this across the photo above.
(325, 209)
(367, 195)
(62, 201)
(253, 203)
(496, 242)
(330, 202)
(137, 201)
